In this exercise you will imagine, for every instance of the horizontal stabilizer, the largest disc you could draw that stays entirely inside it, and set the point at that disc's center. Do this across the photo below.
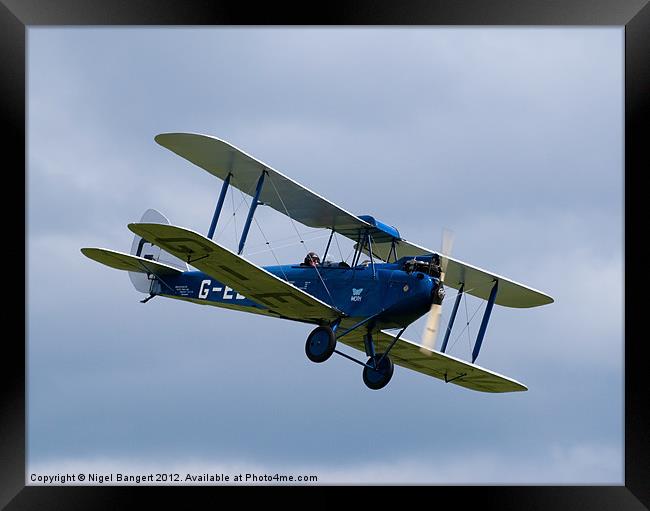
(280, 296)
(127, 262)
(439, 365)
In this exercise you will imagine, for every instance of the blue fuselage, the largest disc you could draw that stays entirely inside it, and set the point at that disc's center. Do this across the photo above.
(358, 292)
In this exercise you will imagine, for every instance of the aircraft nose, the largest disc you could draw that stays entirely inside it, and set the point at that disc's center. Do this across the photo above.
(425, 282)
(424, 287)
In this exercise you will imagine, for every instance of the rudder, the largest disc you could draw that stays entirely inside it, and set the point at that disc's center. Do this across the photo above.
(142, 248)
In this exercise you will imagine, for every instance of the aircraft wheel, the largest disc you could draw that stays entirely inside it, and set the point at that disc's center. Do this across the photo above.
(376, 379)
(320, 344)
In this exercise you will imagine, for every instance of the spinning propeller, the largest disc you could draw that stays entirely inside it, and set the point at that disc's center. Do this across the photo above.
(433, 319)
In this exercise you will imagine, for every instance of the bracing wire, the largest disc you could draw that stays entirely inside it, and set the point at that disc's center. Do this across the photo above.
(233, 217)
(339, 247)
(469, 335)
(301, 240)
(292, 237)
(349, 254)
(468, 319)
(271, 249)
(466, 327)
(267, 242)
(283, 246)
(286, 210)
(234, 211)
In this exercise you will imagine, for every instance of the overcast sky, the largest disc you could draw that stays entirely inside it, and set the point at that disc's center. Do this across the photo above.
(512, 138)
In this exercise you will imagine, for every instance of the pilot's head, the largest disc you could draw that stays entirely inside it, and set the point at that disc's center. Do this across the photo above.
(312, 259)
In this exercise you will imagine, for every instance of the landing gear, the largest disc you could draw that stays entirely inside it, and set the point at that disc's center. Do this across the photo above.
(377, 371)
(378, 377)
(320, 344)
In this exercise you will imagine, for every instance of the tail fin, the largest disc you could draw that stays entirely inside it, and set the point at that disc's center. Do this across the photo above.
(142, 248)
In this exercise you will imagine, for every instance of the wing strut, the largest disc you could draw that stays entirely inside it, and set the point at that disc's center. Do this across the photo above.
(251, 212)
(452, 318)
(372, 261)
(486, 318)
(327, 248)
(390, 346)
(217, 211)
(393, 250)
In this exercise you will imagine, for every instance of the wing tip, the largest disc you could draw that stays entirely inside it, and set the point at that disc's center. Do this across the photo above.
(540, 300)
(161, 138)
(87, 251)
(136, 227)
(90, 251)
(544, 300)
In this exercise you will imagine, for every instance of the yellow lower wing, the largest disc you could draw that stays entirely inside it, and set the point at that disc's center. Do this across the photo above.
(433, 363)
(281, 297)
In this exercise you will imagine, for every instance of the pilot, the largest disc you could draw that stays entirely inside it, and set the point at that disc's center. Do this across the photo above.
(312, 259)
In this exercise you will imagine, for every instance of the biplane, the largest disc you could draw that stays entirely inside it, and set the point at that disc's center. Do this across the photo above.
(354, 304)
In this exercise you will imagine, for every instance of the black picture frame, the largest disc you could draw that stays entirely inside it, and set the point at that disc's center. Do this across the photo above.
(17, 15)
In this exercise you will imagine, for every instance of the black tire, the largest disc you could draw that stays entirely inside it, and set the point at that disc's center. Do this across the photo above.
(320, 344)
(376, 379)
